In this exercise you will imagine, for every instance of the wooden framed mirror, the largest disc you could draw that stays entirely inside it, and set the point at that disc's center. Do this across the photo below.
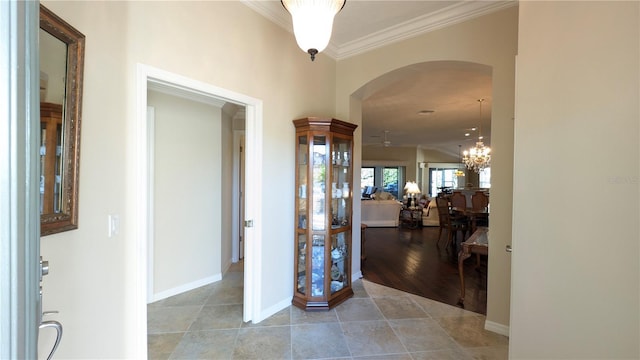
(61, 73)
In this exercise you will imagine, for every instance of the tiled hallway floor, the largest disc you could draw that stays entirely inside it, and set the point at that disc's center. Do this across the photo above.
(377, 323)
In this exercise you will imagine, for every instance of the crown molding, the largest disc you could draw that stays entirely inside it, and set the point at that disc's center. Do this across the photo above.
(281, 18)
(454, 14)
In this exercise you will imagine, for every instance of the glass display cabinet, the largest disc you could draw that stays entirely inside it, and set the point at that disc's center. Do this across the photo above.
(324, 198)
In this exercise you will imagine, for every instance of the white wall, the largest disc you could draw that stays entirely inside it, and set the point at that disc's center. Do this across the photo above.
(223, 43)
(187, 193)
(490, 40)
(576, 276)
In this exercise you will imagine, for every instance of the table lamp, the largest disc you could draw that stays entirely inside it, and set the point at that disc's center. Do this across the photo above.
(412, 190)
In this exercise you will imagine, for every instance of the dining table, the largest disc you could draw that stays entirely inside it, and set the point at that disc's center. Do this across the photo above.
(477, 243)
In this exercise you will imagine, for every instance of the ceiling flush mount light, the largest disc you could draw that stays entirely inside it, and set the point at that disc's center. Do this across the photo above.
(478, 158)
(313, 22)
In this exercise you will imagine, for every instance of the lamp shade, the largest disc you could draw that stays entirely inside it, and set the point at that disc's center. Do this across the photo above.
(412, 188)
(313, 22)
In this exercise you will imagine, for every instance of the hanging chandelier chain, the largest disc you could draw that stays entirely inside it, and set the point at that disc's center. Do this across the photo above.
(459, 172)
(480, 121)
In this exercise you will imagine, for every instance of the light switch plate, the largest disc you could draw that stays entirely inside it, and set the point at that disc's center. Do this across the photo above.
(114, 225)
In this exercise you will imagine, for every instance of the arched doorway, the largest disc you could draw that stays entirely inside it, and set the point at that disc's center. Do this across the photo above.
(426, 111)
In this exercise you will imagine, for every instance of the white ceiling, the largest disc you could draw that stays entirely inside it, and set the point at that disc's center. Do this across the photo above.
(391, 103)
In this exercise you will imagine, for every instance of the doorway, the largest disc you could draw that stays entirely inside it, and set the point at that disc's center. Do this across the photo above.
(253, 170)
(190, 191)
(452, 88)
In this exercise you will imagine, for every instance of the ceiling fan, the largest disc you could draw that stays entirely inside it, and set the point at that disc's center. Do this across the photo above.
(386, 142)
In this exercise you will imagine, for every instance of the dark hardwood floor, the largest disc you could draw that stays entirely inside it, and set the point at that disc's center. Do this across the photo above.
(409, 260)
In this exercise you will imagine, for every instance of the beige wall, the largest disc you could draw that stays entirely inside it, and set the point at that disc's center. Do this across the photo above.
(226, 44)
(489, 40)
(393, 156)
(187, 193)
(226, 197)
(575, 243)
(88, 282)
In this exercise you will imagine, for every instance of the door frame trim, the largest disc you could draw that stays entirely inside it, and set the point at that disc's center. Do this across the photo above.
(253, 170)
(236, 254)
(20, 303)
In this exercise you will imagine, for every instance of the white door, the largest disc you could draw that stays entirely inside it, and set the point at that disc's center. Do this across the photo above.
(19, 212)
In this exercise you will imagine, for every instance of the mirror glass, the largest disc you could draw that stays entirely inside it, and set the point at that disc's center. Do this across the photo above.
(61, 68)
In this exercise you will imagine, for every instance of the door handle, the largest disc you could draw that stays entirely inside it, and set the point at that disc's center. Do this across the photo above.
(508, 249)
(58, 328)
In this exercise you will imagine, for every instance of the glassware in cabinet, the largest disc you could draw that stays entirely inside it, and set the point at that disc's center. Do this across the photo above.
(339, 261)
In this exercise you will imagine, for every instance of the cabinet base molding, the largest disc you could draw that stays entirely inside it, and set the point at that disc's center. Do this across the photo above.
(310, 305)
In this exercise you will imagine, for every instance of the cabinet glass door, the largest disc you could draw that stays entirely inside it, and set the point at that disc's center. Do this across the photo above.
(317, 266)
(303, 194)
(303, 161)
(318, 175)
(339, 263)
(341, 191)
(301, 286)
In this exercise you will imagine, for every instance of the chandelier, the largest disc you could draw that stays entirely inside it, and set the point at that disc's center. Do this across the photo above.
(478, 158)
(313, 22)
(459, 172)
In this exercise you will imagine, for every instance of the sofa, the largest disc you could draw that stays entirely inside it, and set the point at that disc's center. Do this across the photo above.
(381, 213)
(430, 214)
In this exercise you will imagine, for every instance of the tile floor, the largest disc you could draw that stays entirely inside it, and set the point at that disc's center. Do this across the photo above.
(377, 323)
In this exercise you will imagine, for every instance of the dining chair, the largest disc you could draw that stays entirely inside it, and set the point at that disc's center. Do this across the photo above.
(450, 223)
(458, 200)
(480, 202)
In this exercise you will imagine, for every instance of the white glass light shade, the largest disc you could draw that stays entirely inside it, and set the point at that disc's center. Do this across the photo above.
(313, 22)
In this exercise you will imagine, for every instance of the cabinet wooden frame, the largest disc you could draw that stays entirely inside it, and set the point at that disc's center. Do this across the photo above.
(323, 213)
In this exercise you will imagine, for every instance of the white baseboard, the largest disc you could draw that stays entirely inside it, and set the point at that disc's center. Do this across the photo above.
(185, 287)
(271, 310)
(355, 276)
(226, 266)
(496, 328)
